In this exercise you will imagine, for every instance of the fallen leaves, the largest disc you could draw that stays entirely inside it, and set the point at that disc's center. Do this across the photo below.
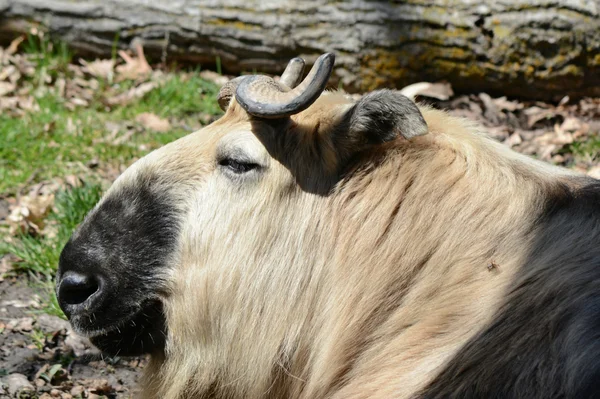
(539, 129)
(14, 45)
(132, 94)
(28, 216)
(15, 99)
(103, 69)
(135, 68)
(22, 81)
(16, 385)
(6, 88)
(6, 265)
(23, 324)
(33, 303)
(536, 114)
(153, 122)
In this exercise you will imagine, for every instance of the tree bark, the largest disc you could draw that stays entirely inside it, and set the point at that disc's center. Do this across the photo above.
(542, 49)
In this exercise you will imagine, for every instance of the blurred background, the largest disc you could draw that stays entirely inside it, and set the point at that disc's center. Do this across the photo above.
(88, 87)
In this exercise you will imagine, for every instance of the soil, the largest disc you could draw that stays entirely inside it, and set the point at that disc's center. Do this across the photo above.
(54, 361)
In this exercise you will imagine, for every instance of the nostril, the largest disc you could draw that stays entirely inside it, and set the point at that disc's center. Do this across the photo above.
(76, 288)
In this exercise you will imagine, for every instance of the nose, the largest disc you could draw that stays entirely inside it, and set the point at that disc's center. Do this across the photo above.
(78, 292)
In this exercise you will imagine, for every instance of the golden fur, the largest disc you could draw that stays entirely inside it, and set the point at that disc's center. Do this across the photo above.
(279, 290)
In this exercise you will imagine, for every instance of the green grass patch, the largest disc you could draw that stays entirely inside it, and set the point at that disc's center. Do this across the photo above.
(588, 150)
(56, 140)
(39, 255)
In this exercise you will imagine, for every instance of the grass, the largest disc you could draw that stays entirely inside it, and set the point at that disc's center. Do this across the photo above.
(588, 150)
(57, 140)
(54, 140)
(39, 255)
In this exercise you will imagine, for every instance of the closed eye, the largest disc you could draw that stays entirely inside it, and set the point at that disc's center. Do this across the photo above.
(237, 166)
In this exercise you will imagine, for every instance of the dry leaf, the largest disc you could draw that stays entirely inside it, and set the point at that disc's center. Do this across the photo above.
(492, 113)
(29, 214)
(6, 87)
(562, 137)
(6, 265)
(101, 387)
(545, 152)
(73, 181)
(76, 70)
(80, 102)
(132, 94)
(21, 324)
(11, 73)
(16, 303)
(499, 133)
(135, 67)
(563, 101)
(8, 102)
(18, 385)
(513, 140)
(28, 104)
(440, 91)
(505, 105)
(99, 68)
(14, 45)
(71, 128)
(77, 391)
(570, 124)
(153, 122)
(24, 65)
(535, 114)
(120, 140)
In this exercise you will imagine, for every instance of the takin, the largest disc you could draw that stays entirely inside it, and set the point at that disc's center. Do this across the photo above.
(307, 245)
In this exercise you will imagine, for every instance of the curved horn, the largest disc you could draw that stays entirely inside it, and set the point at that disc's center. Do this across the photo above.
(227, 92)
(262, 97)
(290, 78)
(293, 73)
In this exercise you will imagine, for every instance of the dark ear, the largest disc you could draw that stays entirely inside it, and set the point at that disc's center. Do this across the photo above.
(383, 116)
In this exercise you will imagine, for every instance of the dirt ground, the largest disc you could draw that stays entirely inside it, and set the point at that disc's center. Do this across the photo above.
(41, 358)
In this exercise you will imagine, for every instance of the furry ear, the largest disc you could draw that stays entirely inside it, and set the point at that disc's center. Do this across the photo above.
(378, 117)
(383, 116)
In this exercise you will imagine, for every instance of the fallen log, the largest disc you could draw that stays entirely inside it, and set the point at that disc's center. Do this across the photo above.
(542, 49)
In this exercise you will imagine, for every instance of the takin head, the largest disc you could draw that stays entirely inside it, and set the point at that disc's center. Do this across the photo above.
(116, 270)
(306, 245)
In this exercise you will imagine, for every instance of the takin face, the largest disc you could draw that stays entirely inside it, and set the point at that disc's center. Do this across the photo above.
(309, 246)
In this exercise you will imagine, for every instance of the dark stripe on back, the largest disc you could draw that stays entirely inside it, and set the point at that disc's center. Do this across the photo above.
(544, 342)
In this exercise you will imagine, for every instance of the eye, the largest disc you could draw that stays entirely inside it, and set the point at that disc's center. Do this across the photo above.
(237, 166)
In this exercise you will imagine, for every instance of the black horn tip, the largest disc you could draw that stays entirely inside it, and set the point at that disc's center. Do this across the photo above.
(296, 61)
(327, 57)
(292, 75)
